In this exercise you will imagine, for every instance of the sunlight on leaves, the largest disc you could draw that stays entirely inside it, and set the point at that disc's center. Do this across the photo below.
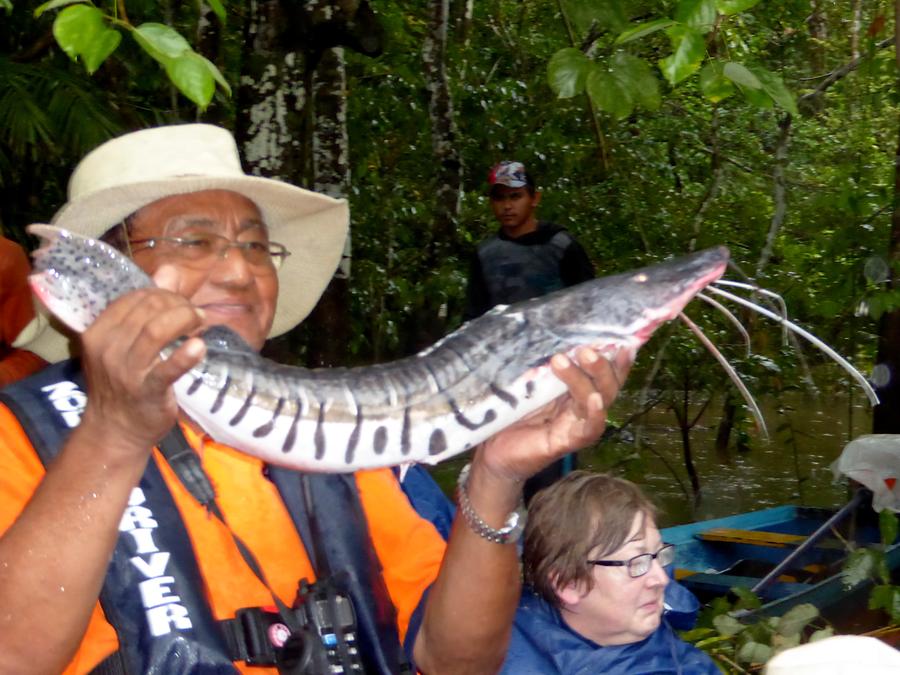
(53, 4)
(796, 619)
(640, 30)
(729, 7)
(567, 72)
(82, 32)
(689, 49)
(859, 567)
(713, 83)
(699, 14)
(608, 93)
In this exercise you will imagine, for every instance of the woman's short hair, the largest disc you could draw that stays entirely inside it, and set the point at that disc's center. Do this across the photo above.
(581, 515)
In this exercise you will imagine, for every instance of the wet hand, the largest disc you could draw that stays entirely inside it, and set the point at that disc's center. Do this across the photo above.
(129, 384)
(573, 421)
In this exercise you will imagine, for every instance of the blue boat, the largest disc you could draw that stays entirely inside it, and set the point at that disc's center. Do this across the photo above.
(787, 555)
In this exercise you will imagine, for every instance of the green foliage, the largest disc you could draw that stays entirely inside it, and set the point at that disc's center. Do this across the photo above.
(750, 641)
(85, 32)
(571, 71)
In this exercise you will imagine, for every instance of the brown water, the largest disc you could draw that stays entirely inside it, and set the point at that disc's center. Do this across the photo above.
(771, 473)
(791, 467)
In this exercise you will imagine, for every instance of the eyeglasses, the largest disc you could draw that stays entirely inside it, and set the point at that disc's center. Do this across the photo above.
(639, 565)
(203, 248)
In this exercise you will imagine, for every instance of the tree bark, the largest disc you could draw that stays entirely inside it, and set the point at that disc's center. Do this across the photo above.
(270, 99)
(331, 169)
(818, 31)
(428, 321)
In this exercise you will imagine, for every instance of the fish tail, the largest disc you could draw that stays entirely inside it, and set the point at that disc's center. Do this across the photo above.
(75, 277)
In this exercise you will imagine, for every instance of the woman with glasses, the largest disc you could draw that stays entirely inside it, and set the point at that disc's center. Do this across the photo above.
(598, 596)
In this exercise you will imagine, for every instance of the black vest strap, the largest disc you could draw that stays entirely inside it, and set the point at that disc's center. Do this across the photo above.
(322, 506)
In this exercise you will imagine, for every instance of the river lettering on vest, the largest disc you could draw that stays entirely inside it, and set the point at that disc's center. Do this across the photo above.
(163, 608)
(68, 400)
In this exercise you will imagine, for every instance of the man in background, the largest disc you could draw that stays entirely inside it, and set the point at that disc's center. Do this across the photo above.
(526, 258)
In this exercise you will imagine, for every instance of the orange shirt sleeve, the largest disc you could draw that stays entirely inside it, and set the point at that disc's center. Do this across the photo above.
(409, 547)
(20, 474)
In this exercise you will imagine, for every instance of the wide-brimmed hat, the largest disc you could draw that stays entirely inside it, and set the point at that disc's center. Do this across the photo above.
(131, 171)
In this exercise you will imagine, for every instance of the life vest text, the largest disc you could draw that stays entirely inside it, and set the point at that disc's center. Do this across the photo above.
(163, 609)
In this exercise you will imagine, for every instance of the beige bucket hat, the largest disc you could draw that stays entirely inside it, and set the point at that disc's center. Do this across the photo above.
(129, 172)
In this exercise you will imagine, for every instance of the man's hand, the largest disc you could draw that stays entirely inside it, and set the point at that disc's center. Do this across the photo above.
(129, 383)
(569, 423)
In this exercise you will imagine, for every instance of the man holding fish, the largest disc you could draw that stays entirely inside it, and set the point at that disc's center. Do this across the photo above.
(109, 552)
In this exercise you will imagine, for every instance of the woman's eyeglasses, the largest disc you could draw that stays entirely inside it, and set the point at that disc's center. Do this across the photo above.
(639, 565)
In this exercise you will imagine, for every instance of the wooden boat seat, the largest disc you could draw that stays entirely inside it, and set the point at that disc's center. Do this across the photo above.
(720, 584)
(761, 538)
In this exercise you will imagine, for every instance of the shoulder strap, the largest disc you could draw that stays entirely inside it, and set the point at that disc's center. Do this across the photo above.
(153, 591)
(332, 523)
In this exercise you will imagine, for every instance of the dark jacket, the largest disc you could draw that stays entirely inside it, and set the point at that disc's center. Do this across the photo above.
(542, 644)
(506, 270)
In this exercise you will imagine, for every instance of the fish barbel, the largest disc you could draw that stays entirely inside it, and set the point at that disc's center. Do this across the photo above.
(477, 380)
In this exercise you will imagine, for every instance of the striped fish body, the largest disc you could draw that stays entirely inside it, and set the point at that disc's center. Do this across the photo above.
(476, 381)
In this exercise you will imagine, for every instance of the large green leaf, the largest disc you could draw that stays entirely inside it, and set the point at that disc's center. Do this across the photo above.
(640, 30)
(729, 7)
(567, 72)
(190, 73)
(796, 619)
(774, 86)
(217, 75)
(698, 14)
(608, 14)
(105, 44)
(53, 4)
(713, 83)
(886, 597)
(860, 566)
(741, 75)
(689, 49)
(219, 9)
(7, 5)
(728, 625)
(161, 42)
(637, 76)
(754, 652)
(81, 31)
(75, 27)
(608, 93)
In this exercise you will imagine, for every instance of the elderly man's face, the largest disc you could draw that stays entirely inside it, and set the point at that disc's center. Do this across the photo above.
(230, 290)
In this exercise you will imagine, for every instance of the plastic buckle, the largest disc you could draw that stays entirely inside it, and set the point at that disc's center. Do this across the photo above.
(258, 628)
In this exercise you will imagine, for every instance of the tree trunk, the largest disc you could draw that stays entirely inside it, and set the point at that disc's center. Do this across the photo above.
(330, 166)
(443, 133)
(818, 31)
(270, 99)
(428, 322)
(886, 418)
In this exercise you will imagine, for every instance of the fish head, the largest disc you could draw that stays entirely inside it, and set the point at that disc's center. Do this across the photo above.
(624, 310)
(76, 277)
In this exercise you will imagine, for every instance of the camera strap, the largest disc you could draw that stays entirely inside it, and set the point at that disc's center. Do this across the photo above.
(247, 633)
(186, 465)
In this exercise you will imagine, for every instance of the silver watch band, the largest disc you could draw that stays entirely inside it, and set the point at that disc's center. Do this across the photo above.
(512, 529)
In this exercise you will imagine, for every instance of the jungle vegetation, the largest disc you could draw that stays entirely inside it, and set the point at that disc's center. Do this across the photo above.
(653, 128)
